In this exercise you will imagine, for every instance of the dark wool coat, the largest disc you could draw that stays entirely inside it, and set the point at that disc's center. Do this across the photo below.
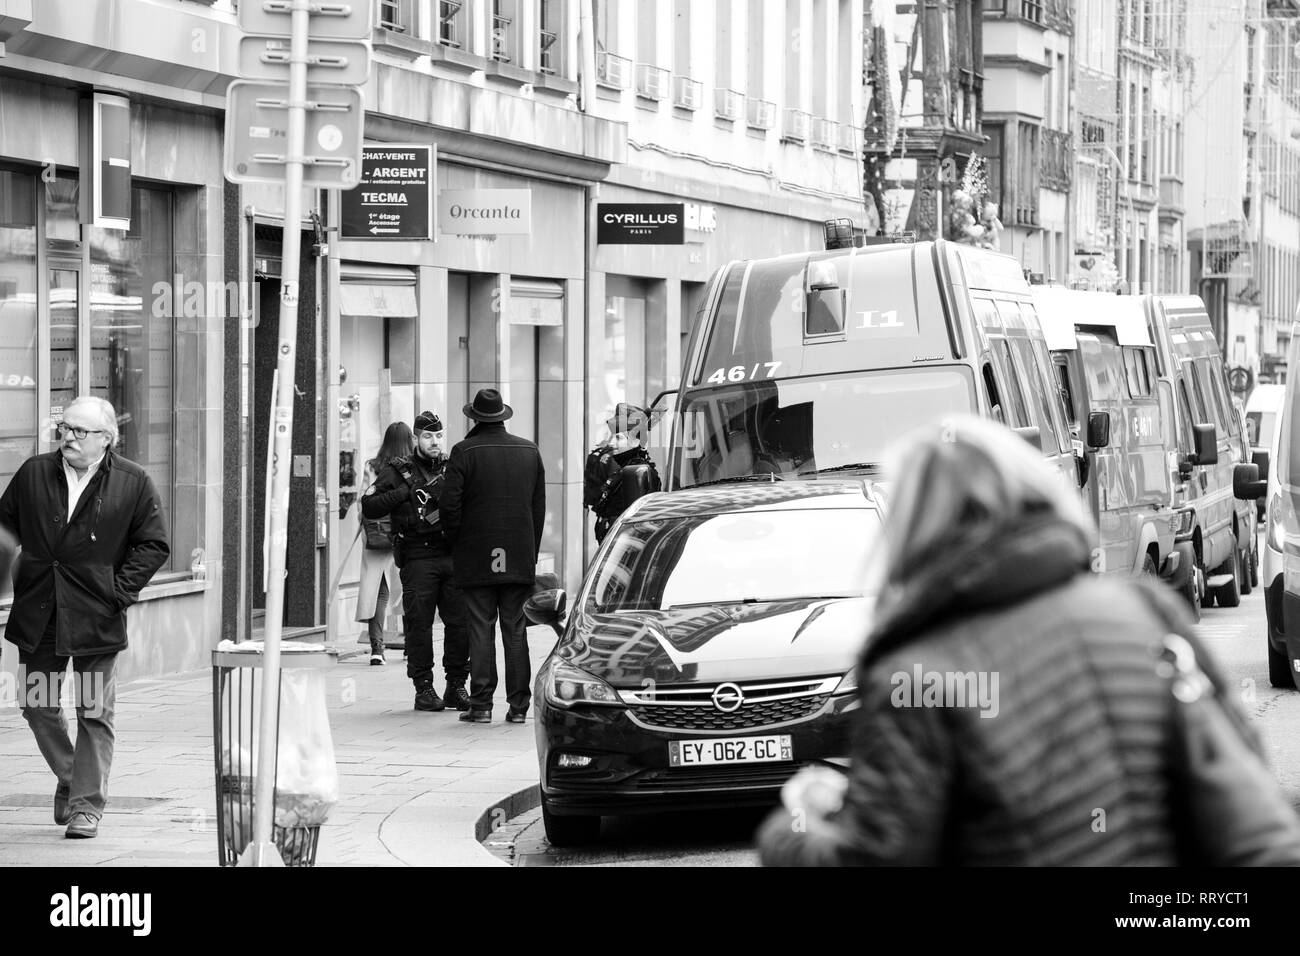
(493, 507)
(87, 569)
(1070, 769)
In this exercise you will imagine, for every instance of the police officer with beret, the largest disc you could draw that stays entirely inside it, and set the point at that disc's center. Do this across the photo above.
(408, 490)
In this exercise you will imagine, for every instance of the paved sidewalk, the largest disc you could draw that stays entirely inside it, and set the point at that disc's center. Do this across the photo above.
(417, 789)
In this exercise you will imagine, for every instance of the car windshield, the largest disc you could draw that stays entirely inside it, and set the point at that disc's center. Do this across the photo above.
(750, 556)
(800, 427)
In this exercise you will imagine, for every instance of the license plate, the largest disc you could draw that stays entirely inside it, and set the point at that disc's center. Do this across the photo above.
(698, 753)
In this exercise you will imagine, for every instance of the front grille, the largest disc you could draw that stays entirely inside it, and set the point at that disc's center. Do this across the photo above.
(757, 713)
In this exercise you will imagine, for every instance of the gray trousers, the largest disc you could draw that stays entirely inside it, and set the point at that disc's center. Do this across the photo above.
(83, 768)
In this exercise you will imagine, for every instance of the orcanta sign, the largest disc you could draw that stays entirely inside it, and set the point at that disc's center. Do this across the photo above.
(485, 212)
(394, 199)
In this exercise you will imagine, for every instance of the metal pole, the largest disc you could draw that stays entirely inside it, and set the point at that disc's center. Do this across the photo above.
(262, 852)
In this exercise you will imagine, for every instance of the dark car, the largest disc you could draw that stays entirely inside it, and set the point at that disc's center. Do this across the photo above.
(710, 652)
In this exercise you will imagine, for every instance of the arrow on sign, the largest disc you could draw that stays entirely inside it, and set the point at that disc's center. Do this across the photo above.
(378, 229)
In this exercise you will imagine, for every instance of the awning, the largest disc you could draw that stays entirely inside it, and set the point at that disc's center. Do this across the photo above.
(536, 302)
(377, 291)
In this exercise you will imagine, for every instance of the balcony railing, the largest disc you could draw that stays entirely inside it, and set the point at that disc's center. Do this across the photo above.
(548, 54)
(797, 123)
(727, 104)
(687, 93)
(848, 138)
(501, 38)
(824, 133)
(760, 114)
(651, 82)
(613, 71)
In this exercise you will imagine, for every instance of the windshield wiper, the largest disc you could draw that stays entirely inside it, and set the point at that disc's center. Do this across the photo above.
(870, 467)
(768, 477)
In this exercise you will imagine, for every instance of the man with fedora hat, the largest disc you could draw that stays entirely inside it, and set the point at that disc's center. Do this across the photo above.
(408, 490)
(493, 507)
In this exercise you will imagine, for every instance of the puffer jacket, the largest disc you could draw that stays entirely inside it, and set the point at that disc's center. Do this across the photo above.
(1062, 762)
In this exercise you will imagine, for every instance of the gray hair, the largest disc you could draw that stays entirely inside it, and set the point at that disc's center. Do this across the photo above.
(967, 476)
(104, 408)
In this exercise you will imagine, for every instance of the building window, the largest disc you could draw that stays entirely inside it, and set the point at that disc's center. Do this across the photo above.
(503, 31)
(451, 23)
(993, 152)
(754, 46)
(549, 48)
(132, 335)
(398, 16)
(18, 324)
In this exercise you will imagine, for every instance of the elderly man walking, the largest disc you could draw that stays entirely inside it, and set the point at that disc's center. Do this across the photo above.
(493, 507)
(92, 534)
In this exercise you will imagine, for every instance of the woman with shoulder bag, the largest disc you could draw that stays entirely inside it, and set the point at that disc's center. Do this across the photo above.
(378, 569)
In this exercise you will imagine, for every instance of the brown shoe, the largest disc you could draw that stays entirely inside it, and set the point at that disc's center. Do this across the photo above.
(83, 826)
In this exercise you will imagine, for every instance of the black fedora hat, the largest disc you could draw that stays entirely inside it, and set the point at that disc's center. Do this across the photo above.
(488, 407)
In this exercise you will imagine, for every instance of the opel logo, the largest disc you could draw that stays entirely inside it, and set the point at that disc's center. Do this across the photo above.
(728, 698)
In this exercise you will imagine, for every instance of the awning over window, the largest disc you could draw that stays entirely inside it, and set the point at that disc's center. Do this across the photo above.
(536, 302)
(377, 291)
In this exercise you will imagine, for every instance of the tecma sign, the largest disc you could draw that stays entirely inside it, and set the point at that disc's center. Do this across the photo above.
(485, 212)
(641, 223)
(394, 199)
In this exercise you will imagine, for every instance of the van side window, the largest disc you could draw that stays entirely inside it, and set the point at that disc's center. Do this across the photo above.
(1060, 366)
(1138, 371)
(995, 400)
(1055, 397)
(1220, 387)
(1188, 418)
(1210, 398)
(1201, 414)
(1040, 395)
(1016, 409)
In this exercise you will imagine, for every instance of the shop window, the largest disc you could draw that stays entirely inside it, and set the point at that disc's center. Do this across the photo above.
(133, 339)
(18, 325)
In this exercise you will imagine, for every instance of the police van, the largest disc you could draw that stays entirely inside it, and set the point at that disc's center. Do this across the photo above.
(1214, 484)
(1105, 362)
(814, 363)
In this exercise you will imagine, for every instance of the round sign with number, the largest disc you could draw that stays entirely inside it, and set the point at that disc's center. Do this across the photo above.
(330, 137)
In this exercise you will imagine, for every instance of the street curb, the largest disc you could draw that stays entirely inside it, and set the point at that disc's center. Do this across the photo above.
(521, 801)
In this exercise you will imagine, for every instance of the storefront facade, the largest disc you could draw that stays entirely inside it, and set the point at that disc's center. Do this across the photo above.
(130, 310)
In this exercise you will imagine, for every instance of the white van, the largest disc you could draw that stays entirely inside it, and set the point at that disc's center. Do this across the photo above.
(1280, 565)
(1262, 408)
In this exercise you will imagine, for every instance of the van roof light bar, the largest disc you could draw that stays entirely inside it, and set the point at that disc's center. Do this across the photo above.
(839, 234)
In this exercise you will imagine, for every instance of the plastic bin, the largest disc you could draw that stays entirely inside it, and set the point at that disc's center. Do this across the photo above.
(236, 706)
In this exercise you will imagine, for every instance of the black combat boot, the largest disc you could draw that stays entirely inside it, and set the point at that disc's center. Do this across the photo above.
(456, 696)
(426, 698)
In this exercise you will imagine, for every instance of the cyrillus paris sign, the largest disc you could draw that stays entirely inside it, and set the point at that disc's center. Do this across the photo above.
(485, 212)
(646, 223)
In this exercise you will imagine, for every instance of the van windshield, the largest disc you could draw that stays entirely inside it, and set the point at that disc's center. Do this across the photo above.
(806, 426)
(1259, 428)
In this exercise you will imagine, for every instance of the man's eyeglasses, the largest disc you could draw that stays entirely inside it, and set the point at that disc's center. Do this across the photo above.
(78, 433)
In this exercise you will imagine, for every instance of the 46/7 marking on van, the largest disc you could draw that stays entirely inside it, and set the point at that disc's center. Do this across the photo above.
(739, 373)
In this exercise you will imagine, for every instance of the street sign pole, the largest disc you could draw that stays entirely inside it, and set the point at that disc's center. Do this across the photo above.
(262, 851)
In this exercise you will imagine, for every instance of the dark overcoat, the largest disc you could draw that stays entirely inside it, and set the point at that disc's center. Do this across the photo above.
(87, 568)
(494, 507)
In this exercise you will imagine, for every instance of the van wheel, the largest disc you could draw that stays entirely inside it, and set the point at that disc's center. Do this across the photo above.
(1149, 570)
(1279, 667)
(569, 831)
(1230, 594)
(1254, 562)
(1191, 593)
(1247, 585)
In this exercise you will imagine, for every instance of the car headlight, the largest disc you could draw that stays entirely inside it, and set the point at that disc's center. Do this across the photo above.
(567, 685)
(1276, 525)
(847, 685)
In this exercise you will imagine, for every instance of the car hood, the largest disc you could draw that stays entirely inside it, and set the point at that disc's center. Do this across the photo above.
(804, 637)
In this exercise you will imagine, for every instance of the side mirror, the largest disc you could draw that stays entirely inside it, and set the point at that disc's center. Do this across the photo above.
(1246, 483)
(1098, 429)
(1261, 459)
(1031, 434)
(1205, 445)
(547, 607)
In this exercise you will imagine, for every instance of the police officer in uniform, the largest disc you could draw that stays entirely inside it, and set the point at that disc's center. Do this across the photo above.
(408, 490)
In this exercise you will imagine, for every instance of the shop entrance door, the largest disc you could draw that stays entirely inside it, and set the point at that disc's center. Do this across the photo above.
(305, 552)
